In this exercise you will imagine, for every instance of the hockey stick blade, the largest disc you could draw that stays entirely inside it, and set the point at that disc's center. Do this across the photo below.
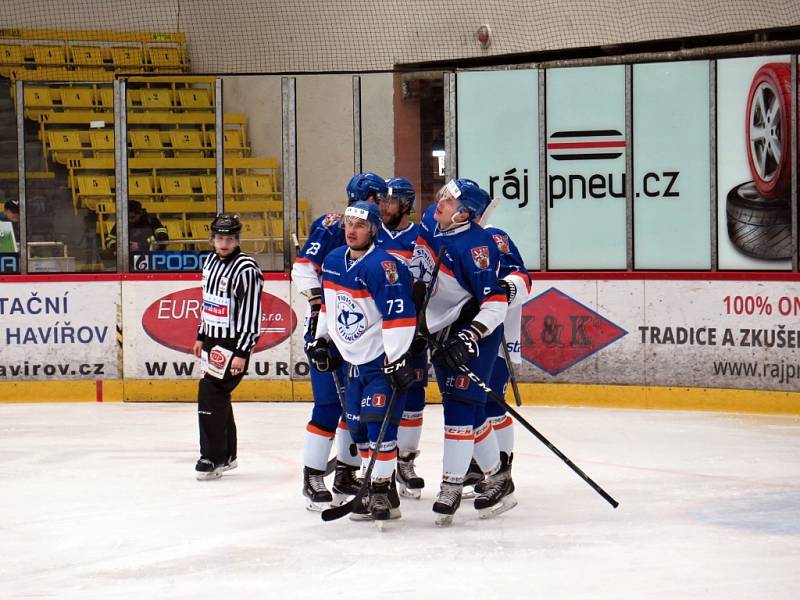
(520, 419)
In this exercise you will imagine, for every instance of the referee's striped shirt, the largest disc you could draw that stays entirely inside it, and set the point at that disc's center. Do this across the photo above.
(232, 300)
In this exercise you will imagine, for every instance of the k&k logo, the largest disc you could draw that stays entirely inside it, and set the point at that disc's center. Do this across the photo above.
(559, 332)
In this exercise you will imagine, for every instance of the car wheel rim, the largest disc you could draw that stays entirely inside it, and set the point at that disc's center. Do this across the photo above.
(765, 132)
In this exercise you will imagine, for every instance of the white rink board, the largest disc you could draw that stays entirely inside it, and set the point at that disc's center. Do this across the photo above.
(58, 330)
(761, 342)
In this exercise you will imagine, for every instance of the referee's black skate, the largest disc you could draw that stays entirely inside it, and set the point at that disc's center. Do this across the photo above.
(345, 483)
(408, 481)
(206, 470)
(318, 498)
(497, 492)
(447, 503)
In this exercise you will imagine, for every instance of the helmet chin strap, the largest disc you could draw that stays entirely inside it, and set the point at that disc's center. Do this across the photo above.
(453, 222)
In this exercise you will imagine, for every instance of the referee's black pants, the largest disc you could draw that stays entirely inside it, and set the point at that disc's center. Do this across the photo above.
(218, 442)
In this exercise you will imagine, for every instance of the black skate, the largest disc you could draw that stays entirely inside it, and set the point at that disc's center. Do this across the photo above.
(497, 492)
(379, 507)
(230, 464)
(318, 498)
(447, 503)
(206, 470)
(473, 480)
(409, 482)
(363, 512)
(345, 483)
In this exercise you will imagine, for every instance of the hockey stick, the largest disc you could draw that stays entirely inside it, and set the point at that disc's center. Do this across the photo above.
(337, 512)
(511, 377)
(499, 399)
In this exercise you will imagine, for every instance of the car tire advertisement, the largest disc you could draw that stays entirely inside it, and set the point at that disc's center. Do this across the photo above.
(754, 156)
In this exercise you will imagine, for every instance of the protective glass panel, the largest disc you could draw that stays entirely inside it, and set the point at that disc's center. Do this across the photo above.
(498, 147)
(671, 216)
(586, 168)
(9, 181)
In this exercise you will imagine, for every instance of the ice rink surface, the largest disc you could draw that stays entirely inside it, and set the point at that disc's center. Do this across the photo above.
(100, 501)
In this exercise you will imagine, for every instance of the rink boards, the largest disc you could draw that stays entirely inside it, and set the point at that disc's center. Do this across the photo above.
(685, 341)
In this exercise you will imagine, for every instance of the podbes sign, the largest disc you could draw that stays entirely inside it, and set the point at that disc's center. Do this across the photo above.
(172, 320)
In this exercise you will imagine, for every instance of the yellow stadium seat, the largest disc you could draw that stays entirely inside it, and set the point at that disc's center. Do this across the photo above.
(253, 235)
(54, 55)
(130, 59)
(175, 231)
(105, 96)
(303, 221)
(156, 98)
(77, 97)
(12, 56)
(232, 142)
(92, 189)
(176, 187)
(87, 56)
(102, 142)
(256, 187)
(65, 145)
(165, 58)
(140, 187)
(208, 183)
(37, 100)
(196, 99)
(187, 143)
(200, 229)
(146, 143)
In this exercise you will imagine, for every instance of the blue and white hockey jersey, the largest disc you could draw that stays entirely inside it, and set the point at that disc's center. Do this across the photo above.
(399, 244)
(326, 234)
(367, 307)
(469, 269)
(512, 268)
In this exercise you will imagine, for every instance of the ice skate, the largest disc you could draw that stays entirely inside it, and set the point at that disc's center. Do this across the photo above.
(473, 480)
(360, 510)
(497, 492)
(345, 483)
(409, 483)
(230, 464)
(206, 470)
(447, 503)
(318, 498)
(379, 507)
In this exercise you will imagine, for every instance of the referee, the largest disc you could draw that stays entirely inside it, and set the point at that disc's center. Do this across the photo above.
(229, 329)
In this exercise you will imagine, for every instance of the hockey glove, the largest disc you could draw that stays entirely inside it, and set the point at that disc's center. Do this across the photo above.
(457, 350)
(400, 374)
(509, 288)
(321, 356)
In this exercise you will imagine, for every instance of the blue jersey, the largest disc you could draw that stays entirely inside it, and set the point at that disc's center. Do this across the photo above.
(469, 270)
(399, 244)
(512, 268)
(326, 234)
(367, 310)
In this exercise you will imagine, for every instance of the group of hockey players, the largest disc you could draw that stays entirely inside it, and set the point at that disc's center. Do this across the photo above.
(385, 296)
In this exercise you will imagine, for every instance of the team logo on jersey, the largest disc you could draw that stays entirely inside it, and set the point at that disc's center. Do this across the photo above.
(350, 321)
(331, 219)
(390, 270)
(462, 382)
(480, 256)
(502, 242)
(378, 400)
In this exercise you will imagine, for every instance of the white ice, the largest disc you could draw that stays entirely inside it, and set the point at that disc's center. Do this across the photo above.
(100, 501)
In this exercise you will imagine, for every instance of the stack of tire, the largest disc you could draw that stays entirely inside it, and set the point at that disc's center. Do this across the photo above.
(759, 212)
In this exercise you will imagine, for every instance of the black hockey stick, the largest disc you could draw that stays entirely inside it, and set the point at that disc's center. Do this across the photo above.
(337, 512)
(499, 399)
(510, 367)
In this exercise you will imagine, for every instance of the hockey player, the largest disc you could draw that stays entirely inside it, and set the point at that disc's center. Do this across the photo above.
(466, 332)
(326, 422)
(368, 314)
(397, 236)
(515, 281)
(229, 329)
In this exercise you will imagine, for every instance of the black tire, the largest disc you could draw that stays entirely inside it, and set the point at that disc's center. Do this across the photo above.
(759, 227)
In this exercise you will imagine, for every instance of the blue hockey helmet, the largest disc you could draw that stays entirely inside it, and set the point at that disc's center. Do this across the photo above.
(366, 211)
(364, 186)
(470, 195)
(403, 189)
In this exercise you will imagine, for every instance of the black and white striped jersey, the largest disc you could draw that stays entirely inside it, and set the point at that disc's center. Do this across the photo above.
(232, 300)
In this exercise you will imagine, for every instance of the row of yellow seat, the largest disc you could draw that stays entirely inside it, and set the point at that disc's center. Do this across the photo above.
(43, 60)
(65, 145)
(41, 99)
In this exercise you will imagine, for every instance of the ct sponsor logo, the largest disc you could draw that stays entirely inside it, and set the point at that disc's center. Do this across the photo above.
(350, 321)
(172, 320)
(216, 358)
